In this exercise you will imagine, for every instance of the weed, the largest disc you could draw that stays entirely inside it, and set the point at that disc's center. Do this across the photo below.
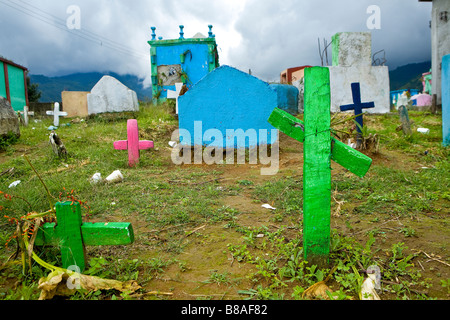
(409, 179)
(8, 140)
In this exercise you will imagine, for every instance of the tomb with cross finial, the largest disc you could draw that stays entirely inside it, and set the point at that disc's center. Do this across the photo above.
(181, 60)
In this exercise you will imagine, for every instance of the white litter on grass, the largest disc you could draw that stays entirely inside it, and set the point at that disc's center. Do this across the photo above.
(268, 206)
(116, 176)
(96, 178)
(351, 144)
(14, 184)
(173, 144)
(372, 284)
(423, 130)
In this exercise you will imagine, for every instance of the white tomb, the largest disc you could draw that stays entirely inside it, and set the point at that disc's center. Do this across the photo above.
(352, 62)
(110, 95)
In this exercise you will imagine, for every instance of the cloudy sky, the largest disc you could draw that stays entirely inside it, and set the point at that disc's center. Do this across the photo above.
(266, 36)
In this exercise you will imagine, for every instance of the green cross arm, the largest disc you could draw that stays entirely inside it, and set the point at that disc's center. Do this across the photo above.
(351, 159)
(71, 235)
(93, 234)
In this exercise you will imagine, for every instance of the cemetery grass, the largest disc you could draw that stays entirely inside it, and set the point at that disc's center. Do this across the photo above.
(200, 231)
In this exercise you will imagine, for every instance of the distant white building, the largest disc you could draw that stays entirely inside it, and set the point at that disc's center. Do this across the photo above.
(440, 42)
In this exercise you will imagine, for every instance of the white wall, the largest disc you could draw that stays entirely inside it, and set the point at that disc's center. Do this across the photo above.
(440, 42)
(374, 82)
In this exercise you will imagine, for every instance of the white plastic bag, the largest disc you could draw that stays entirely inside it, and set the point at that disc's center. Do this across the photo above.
(371, 284)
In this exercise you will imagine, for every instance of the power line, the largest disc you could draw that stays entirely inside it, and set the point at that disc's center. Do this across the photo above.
(61, 24)
(84, 30)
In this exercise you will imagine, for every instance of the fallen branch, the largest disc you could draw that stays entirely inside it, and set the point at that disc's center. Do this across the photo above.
(195, 230)
(10, 171)
(355, 233)
(432, 258)
(151, 293)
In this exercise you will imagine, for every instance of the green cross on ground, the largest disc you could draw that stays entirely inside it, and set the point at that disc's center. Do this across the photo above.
(319, 149)
(71, 235)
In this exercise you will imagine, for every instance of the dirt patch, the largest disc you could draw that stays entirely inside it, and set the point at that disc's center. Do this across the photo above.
(205, 268)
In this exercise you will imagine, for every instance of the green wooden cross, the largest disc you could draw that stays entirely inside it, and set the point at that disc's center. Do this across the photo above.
(71, 235)
(319, 149)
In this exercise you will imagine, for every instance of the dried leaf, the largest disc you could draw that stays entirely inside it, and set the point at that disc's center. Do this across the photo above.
(65, 283)
(317, 290)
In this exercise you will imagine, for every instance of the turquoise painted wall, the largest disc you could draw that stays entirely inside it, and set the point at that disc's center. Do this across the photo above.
(229, 99)
(2, 81)
(17, 88)
(446, 99)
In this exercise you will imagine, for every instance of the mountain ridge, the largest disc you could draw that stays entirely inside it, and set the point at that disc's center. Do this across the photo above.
(403, 77)
(51, 87)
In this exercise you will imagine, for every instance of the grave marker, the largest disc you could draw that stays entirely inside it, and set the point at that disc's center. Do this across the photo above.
(175, 94)
(404, 118)
(56, 113)
(25, 113)
(358, 107)
(446, 100)
(133, 145)
(319, 149)
(71, 235)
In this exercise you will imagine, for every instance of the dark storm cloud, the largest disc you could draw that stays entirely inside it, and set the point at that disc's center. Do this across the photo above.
(265, 36)
(279, 35)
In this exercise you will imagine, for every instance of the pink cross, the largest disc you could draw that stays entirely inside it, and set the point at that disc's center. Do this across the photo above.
(133, 145)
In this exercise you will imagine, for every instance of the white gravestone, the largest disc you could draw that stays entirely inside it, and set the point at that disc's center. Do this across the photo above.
(56, 113)
(110, 95)
(25, 113)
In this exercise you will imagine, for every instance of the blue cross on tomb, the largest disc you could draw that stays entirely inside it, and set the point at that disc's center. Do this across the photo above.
(357, 105)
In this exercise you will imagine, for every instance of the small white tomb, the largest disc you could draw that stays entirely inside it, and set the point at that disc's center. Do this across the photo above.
(110, 95)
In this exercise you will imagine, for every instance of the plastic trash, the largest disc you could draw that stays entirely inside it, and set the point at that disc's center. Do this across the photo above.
(372, 284)
(173, 144)
(423, 130)
(268, 206)
(14, 184)
(51, 128)
(351, 144)
(116, 176)
(96, 178)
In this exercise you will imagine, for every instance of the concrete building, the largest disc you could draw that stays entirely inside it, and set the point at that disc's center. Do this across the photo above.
(291, 75)
(181, 61)
(13, 84)
(440, 43)
(75, 103)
